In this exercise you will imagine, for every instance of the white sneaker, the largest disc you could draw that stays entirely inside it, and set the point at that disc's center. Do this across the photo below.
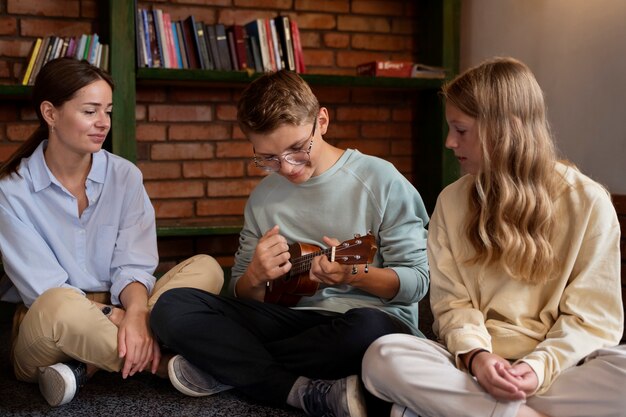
(60, 382)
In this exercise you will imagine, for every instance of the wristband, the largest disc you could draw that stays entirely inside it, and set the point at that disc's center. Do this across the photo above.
(471, 360)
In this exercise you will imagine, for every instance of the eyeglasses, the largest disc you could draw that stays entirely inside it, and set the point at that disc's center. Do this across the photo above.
(300, 157)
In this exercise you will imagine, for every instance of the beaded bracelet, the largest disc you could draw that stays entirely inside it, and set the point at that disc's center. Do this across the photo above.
(471, 360)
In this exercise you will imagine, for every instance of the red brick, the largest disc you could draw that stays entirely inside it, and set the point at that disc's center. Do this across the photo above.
(150, 132)
(3, 134)
(28, 113)
(402, 115)
(342, 131)
(327, 95)
(201, 14)
(8, 26)
(19, 132)
(230, 16)
(150, 95)
(170, 247)
(402, 147)
(352, 59)
(367, 114)
(6, 151)
(234, 150)
(337, 6)
(206, 131)
(203, 2)
(5, 71)
(407, 57)
(380, 97)
(15, 48)
(238, 134)
(213, 169)
(370, 147)
(89, 9)
(363, 24)
(165, 151)
(179, 113)
(310, 40)
(172, 209)
(221, 207)
(320, 57)
(403, 26)
(379, 42)
(226, 112)
(191, 95)
(317, 21)
(403, 164)
(140, 112)
(264, 4)
(231, 188)
(41, 27)
(8, 113)
(160, 170)
(64, 8)
(336, 40)
(379, 8)
(174, 189)
(386, 130)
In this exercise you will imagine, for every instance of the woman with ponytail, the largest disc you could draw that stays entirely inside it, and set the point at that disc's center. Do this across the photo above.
(78, 242)
(525, 272)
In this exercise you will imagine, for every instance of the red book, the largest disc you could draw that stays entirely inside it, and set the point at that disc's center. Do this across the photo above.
(270, 44)
(385, 69)
(240, 45)
(297, 48)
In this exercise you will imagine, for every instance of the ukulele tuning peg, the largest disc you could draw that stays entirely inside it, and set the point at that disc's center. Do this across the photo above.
(367, 268)
(354, 270)
(356, 235)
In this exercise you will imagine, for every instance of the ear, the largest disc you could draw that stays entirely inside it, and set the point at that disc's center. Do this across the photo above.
(323, 120)
(48, 111)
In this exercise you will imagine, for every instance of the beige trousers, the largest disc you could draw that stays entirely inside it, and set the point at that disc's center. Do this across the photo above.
(62, 324)
(421, 375)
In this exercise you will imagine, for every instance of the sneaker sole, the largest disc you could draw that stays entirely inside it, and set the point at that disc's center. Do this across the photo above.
(355, 397)
(57, 384)
(171, 373)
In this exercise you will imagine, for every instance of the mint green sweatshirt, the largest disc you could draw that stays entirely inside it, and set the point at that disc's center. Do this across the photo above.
(360, 193)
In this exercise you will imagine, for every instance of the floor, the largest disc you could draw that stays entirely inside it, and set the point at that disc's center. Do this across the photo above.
(109, 395)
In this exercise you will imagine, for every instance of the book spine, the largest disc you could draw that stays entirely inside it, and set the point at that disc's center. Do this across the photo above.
(169, 39)
(155, 49)
(191, 43)
(270, 45)
(160, 38)
(31, 62)
(297, 48)
(239, 33)
(212, 39)
(278, 53)
(140, 49)
(204, 53)
(232, 46)
(182, 48)
(146, 34)
(222, 47)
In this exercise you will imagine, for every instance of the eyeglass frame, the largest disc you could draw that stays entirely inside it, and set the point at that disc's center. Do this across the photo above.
(283, 157)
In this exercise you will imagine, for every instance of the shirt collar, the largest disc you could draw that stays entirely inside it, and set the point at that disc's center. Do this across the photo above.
(42, 177)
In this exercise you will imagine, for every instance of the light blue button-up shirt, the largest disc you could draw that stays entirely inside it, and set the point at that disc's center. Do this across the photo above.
(46, 244)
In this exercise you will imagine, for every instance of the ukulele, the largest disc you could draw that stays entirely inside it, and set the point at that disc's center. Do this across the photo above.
(288, 289)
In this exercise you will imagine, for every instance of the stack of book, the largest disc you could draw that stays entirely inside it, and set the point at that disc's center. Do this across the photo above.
(399, 69)
(86, 47)
(261, 45)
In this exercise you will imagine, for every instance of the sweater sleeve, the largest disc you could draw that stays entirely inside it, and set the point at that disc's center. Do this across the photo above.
(591, 315)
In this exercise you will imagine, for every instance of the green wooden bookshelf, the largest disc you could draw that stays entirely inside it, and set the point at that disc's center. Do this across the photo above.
(15, 92)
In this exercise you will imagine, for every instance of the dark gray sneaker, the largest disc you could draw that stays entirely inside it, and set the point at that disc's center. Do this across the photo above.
(60, 382)
(191, 380)
(340, 398)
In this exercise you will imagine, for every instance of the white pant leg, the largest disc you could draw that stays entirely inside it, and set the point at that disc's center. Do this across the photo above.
(596, 388)
(421, 375)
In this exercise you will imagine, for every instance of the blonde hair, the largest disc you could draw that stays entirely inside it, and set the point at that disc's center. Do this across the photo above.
(511, 214)
(276, 99)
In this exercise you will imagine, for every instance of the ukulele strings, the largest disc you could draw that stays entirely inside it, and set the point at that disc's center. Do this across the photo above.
(303, 263)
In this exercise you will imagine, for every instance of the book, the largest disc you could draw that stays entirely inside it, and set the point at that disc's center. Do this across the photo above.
(39, 61)
(191, 42)
(401, 69)
(155, 50)
(169, 40)
(160, 38)
(202, 46)
(298, 54)
(270, 45)
(258, 36)
(232, 48)
(104, 62)
(147, 40)
(240, 39)
(71, 48)
(31, 61)
(140, 40)
(210, 33)
(278, 52)
(255, 53)
(222, 47)
(177, 28)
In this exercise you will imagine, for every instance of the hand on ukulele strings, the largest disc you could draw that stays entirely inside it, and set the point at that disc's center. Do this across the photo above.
(331, 273)
(270, 259)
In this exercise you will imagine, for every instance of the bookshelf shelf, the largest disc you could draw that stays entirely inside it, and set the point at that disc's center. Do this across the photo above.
(197, 76)
(15, 91)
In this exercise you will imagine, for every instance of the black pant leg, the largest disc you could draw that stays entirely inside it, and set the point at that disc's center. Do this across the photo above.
(227, 338)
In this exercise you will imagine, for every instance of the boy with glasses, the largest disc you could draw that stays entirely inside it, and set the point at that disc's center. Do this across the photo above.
(308, 356)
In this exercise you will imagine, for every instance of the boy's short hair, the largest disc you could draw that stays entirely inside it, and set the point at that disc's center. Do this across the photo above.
(276, 99)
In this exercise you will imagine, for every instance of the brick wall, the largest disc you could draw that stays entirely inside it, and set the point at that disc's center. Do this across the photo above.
(195, 160)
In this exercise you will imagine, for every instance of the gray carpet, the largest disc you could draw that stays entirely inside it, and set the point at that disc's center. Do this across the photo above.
(108, 395)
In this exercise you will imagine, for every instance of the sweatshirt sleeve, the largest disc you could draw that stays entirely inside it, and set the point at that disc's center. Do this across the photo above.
(591, 315)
